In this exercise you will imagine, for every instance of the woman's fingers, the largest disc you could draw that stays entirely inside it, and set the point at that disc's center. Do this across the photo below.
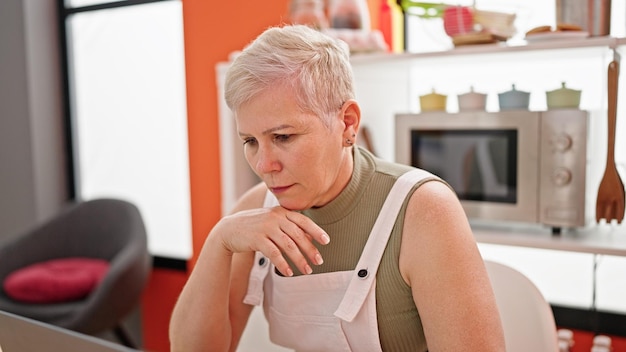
(279, 233)
(300, 232)
(295, 241)
(275, 255)
(309, 227)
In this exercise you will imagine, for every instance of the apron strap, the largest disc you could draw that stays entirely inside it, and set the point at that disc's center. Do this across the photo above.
(261, 267)
(367, 267)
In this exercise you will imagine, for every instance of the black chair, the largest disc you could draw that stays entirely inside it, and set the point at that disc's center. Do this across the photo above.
(107, 229)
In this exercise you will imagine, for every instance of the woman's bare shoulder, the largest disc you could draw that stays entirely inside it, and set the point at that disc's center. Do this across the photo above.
(434, 200)
(436, 227)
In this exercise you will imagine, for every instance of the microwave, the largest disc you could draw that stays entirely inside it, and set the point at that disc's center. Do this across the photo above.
(507, 166)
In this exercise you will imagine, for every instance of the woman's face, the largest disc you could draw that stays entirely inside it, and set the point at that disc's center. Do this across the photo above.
(303, 162)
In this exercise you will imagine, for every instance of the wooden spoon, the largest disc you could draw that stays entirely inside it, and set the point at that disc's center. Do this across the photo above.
(610, 201)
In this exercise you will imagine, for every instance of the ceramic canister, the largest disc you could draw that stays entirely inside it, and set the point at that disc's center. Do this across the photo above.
(563, 98)
(472, 101)
(433, 101)
(513, 99)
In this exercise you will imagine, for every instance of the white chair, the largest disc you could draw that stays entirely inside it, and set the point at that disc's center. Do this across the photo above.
(527, 317)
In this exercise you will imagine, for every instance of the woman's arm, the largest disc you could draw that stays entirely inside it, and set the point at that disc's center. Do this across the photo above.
(210, 314)
(202, 319)
(441, 262)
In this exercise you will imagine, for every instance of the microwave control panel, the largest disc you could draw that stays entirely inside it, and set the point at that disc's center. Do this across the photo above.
(563, 162)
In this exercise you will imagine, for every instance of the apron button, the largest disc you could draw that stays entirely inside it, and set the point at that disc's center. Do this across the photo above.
(262, 261)
(362, 273)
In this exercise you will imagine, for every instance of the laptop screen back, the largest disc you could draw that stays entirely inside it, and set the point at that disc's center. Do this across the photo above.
(19, 334)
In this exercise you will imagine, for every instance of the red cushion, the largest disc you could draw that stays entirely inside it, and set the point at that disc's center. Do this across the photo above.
(57, 280)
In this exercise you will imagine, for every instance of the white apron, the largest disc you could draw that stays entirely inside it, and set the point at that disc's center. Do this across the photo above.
(333, 311)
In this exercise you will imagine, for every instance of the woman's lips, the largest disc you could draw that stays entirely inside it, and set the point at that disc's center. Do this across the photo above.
(280, 189)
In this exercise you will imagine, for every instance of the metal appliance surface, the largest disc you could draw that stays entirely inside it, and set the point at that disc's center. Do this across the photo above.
(549, 158)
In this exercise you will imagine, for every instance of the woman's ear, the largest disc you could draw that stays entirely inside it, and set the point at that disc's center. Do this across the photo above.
(351, 117)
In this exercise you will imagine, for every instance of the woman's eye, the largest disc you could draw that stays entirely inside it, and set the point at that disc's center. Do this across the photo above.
(249, 141)
(282, 137)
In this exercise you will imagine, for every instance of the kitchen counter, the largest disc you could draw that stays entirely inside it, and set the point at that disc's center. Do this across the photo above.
(595, 239)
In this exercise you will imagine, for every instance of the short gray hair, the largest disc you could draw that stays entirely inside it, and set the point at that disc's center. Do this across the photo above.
(314, 65)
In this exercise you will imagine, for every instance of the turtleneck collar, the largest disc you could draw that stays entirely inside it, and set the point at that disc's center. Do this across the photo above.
(349, 197)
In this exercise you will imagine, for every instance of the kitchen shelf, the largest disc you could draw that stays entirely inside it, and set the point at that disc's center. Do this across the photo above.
(497, 48)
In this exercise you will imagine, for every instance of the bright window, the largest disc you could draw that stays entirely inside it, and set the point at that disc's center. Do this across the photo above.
(130, 119)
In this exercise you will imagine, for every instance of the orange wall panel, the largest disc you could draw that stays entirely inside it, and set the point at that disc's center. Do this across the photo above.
(157, 303)
(212, 31)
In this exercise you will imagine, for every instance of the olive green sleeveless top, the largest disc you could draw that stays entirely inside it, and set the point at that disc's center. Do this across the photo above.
(348, 220)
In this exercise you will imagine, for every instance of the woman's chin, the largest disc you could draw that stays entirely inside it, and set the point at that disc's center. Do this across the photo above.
(293, 204)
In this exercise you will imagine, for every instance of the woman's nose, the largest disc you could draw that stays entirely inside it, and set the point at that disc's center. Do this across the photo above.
(266, 161)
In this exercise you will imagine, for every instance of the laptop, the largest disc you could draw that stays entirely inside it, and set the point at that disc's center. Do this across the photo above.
(20, 334)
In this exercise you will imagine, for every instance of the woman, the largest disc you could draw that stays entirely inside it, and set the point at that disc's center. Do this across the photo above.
(345, 251)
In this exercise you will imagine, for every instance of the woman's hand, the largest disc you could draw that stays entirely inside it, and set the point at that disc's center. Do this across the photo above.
(276, 232)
